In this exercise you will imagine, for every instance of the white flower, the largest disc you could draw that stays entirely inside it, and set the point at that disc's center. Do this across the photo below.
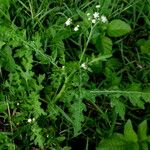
(94, 21)
(88, 14)
(68, 22)
(18, 104)
(96, 15)
(104, 19)
(76, 28)
(98, 6)
(84, 66)
(29, 120)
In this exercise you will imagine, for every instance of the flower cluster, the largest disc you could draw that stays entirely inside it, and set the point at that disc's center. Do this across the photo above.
(69, 22)
(92, 17)
(84, 66)
(96, 16)
(31, 120)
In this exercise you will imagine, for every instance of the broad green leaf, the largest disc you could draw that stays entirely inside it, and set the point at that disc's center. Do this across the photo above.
(129, 133)
(117, 28)
(104, 45)
(117, 142)
(145, 47)
(142, 131)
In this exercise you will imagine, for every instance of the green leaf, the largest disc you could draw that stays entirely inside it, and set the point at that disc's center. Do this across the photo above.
(129, 133)
(37, 136)
(77, 115)
(145, 47)
(117, 142)
(104, 45)
(6, 59)
(142, 131)
(4, 6)
(1, 44)
(136, 101)
(148, 139)
(144, 146)
(118, 105)
(117, 28)
(3, 107)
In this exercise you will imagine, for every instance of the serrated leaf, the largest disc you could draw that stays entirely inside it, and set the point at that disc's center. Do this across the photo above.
(37, 136)
(142, 131)
(119, 107)
(7, 60)
(77, 115)
(129, 133)
(136, 101)
(117, 28)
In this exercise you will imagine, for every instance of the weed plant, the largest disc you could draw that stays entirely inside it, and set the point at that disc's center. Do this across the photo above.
(73, 73)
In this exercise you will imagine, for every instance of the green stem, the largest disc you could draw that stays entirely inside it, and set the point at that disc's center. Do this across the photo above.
(87, 43)
(63, 87)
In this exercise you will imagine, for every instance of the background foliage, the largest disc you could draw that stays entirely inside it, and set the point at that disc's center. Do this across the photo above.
(61, 89)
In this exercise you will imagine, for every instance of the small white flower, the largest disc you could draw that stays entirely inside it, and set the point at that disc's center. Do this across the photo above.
(88, 14)
(68, 22)
(18, 104)
(33, 119)
(104, 19)
(29, 120)
(98, 6)
(93, 21)
(96, 15)
(47, 135)
(76, 28)
(89, 18)
(84, 66)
